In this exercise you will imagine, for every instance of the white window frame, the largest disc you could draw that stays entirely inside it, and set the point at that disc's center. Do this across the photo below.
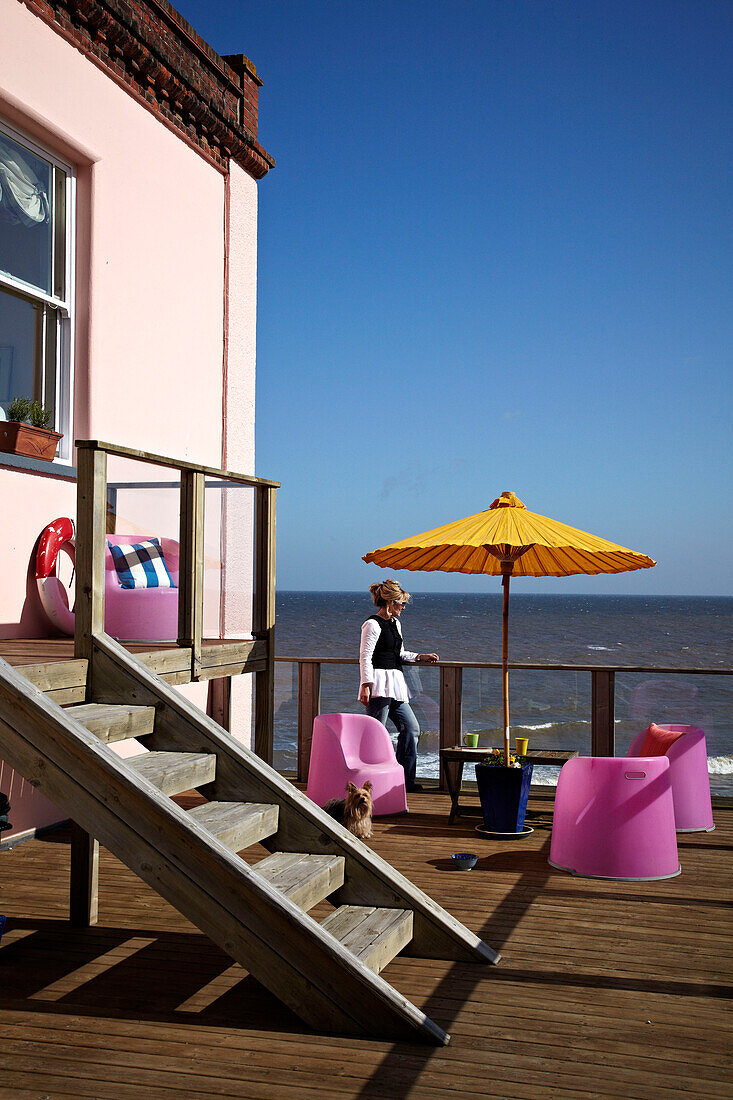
(64, 372)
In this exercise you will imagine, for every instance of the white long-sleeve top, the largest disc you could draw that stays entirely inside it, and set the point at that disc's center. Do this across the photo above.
(387, 683)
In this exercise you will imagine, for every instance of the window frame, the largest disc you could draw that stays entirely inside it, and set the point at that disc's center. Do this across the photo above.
(65, 307)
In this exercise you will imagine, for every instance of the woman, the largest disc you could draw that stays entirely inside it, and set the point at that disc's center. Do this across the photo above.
(383, 689)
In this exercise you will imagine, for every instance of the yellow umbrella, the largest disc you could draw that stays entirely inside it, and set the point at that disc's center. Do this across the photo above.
(506, 540)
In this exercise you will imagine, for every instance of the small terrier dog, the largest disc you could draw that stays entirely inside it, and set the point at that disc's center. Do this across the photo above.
(354, 811)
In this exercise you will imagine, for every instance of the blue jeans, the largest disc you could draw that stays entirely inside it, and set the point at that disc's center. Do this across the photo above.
(408, 732)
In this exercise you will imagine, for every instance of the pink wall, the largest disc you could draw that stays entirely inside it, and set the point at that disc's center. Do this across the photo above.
(152, 217)
(27, 504)
(157, 226)
(242, 304)
(152, 245)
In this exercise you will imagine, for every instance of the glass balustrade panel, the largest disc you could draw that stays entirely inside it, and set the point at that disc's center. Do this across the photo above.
(552, 709)
(285, 734)
(680, 699)
(141, 584)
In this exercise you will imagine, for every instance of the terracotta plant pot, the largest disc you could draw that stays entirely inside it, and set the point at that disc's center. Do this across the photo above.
(23, 439)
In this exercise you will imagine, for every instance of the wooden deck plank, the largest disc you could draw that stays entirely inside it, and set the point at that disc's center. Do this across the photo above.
(604, 989)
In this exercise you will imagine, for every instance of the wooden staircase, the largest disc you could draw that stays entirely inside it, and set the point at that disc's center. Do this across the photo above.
(327, 972)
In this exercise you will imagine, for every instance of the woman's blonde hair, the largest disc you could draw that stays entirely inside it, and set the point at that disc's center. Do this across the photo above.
(385, 592)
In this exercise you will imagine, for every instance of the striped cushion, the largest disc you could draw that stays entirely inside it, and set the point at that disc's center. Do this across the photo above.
(141, 565)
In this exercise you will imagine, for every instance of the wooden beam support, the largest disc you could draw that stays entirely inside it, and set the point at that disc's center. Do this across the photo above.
(219, 701)
(603, 741)
(309, 706)
(91, 527)
(191, 566)
(451, 699)
(264, 619)
(84, 878)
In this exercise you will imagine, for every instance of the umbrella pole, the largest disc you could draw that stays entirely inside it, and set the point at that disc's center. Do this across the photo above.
(505, 657)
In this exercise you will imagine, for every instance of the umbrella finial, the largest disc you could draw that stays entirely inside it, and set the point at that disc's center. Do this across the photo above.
(508, 500)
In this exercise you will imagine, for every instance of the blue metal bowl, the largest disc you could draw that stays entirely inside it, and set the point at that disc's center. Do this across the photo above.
(464, 861)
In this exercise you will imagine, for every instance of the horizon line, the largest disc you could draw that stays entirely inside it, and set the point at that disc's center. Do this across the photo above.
(518, 595)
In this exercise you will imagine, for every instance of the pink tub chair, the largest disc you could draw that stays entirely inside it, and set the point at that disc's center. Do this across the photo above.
(614, 818)
(355, 747)
(686, 750)
(141, 614)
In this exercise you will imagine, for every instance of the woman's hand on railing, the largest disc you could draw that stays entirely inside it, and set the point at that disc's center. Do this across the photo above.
(428, 658)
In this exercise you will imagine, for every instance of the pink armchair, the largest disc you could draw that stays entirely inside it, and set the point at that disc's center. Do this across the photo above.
(614, 818)
(141, 614)
(355, 747)
(688, 772)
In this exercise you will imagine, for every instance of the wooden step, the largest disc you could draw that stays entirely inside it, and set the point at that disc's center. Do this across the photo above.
(114, 722)
(175, 772)
(374, 935)
(237, 824)
(305, 879)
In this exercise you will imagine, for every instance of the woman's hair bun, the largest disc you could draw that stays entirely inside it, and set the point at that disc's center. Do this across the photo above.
(384, 591)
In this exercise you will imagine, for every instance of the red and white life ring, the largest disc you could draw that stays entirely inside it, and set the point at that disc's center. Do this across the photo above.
(50, 589)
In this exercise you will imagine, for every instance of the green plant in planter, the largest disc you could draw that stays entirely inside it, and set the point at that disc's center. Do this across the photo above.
(24, 411)
(496, 759)
(29, 430)
(39, 416)
(18, 409)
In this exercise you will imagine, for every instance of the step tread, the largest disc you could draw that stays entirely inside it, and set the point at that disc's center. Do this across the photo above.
(237, 824)
(304, 878)
(114, 722)
(375, 935)
(175, 772)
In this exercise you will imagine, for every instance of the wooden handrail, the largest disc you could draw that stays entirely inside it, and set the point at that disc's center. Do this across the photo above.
(230, 658)
(539, 666)
(451, 693)
(176, 463)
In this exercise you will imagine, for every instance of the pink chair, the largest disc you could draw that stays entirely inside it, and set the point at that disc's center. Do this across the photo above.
(355, 747)
(614, 818)
(141, 614)
(688, 770)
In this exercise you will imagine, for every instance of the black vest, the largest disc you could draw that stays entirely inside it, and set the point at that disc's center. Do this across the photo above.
(389, 644)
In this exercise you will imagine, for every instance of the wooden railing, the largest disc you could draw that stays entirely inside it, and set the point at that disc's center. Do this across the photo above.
(602, 711)
(192, 658)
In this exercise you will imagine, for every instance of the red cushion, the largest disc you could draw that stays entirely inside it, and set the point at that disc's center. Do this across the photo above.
(657, 740)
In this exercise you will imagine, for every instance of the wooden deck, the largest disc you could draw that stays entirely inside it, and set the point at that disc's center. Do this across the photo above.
(605, 988)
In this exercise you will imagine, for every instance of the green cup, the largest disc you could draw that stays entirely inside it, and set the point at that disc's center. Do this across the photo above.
(470, 740)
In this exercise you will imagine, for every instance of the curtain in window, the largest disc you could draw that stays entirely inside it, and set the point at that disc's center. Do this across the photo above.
(23, 199)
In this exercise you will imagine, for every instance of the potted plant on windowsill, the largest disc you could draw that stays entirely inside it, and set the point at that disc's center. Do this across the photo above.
(26, 431)
(504, 791)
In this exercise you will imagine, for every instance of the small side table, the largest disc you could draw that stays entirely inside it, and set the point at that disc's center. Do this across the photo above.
(452, 761)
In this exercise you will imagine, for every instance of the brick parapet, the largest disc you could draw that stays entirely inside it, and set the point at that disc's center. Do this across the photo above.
(147, 46)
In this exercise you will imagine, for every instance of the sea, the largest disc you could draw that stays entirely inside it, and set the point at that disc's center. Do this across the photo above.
(552, 709)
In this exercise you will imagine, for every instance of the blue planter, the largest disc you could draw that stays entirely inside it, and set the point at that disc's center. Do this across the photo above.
(504, 793)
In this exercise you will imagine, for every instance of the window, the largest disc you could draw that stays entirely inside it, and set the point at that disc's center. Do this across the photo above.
(36, 279)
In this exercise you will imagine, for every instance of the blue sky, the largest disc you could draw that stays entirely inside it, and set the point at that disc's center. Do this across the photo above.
(495, 253)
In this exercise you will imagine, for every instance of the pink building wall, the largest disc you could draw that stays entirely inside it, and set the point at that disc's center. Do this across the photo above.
(166, 273)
